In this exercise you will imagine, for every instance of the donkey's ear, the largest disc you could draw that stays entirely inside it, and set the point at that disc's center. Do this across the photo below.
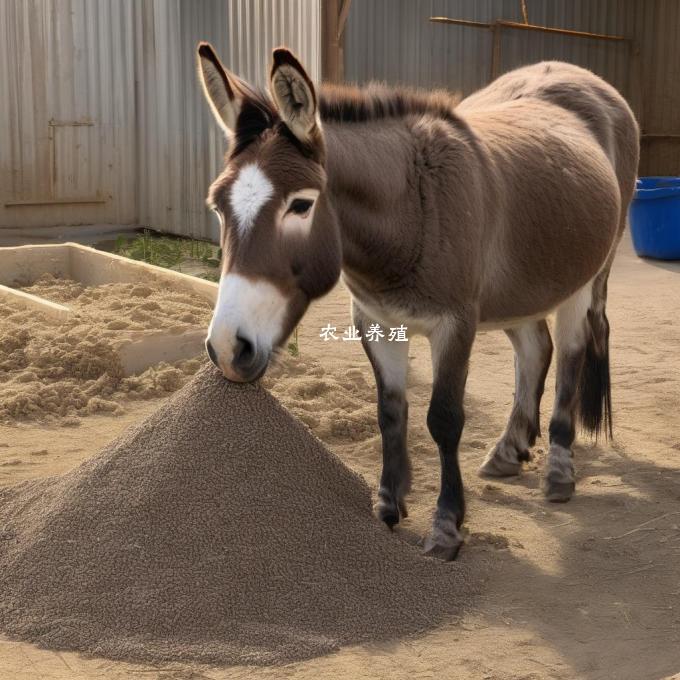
(294, 95)
(220, 88)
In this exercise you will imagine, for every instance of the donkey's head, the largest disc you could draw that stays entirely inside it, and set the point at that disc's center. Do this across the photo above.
(280, 239)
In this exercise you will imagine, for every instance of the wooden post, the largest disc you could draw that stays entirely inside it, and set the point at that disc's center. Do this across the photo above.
(333, 18)
(330, 47)
(525, 11)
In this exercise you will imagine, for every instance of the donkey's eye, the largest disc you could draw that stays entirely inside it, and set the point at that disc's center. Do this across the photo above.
(300, 206)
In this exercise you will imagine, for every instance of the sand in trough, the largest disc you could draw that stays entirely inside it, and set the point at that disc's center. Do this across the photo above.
(56, 371)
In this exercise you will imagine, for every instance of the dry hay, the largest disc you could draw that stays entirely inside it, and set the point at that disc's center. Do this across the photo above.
(57, 370)
(218, 530)
(339, 406)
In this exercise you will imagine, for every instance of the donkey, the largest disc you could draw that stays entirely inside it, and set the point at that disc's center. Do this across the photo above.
(445, 217)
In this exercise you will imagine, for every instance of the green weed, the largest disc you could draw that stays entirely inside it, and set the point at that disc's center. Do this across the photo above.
(164, 251)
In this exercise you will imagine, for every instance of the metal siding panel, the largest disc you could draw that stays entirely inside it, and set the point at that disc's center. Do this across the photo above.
(129, 66)
(607, 59)
(394, 41)
(76, 173)
(59, 64)
(405, 47)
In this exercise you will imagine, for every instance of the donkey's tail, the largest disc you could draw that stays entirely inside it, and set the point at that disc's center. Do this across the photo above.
(595, 394)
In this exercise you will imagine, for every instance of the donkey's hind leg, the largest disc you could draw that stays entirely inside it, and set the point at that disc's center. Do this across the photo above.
(572, 335)
(533, 351)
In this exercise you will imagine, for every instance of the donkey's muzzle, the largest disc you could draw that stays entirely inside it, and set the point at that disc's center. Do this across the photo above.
(247, 362)
(211, 353)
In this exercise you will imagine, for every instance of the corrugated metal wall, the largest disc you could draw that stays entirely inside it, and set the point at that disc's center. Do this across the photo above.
(393, 40)
(185, 148)
(656, 26)
(65, 63)
(99, 102)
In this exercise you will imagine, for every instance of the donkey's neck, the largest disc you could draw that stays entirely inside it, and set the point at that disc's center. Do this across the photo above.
(373, 184)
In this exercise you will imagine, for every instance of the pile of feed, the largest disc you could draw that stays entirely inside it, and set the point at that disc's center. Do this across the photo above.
(58, 370)
(217, 530)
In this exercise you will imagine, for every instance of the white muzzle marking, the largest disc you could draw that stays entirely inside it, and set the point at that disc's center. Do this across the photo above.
(253, 309)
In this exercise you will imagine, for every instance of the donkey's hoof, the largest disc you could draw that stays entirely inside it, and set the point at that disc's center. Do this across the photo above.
(559, 482)
(503, 460)
(388, 510)
(445, 540)
(446, 553)
(387, 513)
(557, 491)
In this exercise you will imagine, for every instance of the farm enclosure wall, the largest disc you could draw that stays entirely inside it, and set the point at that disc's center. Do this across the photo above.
(102, 122)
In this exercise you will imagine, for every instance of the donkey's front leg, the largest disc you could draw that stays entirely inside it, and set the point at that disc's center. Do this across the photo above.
(451, 343)
(390, 365)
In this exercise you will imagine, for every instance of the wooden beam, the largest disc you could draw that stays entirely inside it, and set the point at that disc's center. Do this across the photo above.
(459, 22)
(57, 201)
(561, 31)
(529, 27)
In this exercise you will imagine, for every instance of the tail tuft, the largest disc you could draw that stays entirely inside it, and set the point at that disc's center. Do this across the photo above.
(595, 394)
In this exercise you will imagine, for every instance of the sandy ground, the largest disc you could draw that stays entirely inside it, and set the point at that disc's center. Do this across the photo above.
(589, 589)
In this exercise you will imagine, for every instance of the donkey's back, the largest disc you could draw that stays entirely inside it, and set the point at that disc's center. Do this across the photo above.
(599, 105)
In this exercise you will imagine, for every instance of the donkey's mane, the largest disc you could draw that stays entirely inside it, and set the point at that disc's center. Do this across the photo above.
(343, 104)
(375, 101)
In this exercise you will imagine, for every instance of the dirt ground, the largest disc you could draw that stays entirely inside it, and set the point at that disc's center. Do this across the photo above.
(589, 589)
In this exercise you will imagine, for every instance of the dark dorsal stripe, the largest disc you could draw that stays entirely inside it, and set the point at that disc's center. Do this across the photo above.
(351, 104)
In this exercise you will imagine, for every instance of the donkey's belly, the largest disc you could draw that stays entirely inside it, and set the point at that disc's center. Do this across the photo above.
(535, 295)
(532, 268)
(389, 314)
(510, 322)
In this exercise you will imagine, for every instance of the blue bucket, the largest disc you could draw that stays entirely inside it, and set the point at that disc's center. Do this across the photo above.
(655, 218)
